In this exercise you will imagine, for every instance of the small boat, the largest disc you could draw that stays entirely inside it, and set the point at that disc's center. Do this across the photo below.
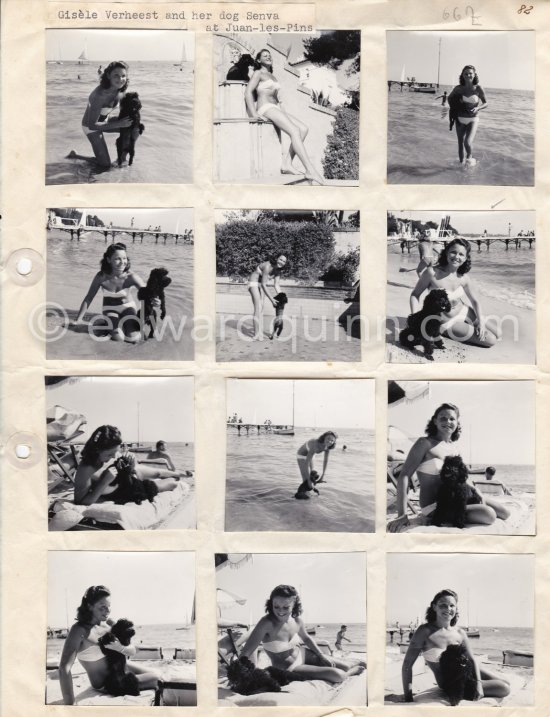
(517, 658)
(311, 630)
(472, 632)
(183, 57)
(83, 57)
(286, 431)
(428, 89)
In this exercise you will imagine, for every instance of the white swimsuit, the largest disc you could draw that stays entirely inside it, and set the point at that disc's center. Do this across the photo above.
(265, 107)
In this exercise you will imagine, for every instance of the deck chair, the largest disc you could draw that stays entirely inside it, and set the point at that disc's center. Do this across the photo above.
(229, 643)
(392, 474)
(62, 427)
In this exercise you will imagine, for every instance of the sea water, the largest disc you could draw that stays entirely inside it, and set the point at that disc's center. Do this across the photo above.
(163, 151)
(498, 273)
(422, 150)
(263, 476)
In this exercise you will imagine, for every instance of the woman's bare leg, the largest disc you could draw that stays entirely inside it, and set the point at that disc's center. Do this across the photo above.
(288, 157)
(494, 685)
(147, 678)
(99, 145)
(257, 319)
(281, 120)
(460, 131)
(464, 332)
(315, 672)
(501, 511)
(480, 514)
(469, 136)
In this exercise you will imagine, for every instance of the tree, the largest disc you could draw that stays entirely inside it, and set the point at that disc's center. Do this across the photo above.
(341, 159)
(335, 47)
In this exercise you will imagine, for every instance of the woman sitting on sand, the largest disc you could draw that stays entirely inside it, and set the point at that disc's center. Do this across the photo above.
(102, 103)
(268, 107)
(82, 643)
(432, 639)
(426, 459)
(462, 323)
(323, 444)
(115, 280)
(465, 101)
(257, 286)
(95, 477)
(283, 635)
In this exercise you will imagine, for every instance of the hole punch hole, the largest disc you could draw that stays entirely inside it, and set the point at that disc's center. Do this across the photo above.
(24, 266)
(23, 451)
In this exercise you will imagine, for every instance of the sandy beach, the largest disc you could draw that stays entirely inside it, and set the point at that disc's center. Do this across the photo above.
(520, 350)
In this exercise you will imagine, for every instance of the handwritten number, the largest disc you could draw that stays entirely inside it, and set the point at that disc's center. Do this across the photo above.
(455, 14)
(525, 9)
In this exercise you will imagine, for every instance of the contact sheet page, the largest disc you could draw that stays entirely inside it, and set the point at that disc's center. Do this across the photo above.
(274, 362)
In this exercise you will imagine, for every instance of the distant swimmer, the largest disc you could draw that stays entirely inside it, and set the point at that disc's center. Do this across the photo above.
(341, 636)
(443, 98)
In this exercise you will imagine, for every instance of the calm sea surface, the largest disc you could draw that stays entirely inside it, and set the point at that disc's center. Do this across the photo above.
(164, 150)
(421, 150)
(263, 476)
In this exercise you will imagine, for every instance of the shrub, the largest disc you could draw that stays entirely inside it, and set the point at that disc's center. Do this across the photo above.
(242, 245)
(344, 268)
(341, 160)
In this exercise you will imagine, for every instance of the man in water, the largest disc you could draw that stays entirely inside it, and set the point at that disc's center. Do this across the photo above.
(489, 475)
(341, 636)
(160, 454)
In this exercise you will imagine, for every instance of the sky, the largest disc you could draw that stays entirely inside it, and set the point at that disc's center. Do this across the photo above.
(499, 588)
(171, 220)
(339, 403)
(497, 417)
(107, 45)
(149, 588)
(332, 586)
(467, 222)
(502, 59)
(224, 215)
(166, 406)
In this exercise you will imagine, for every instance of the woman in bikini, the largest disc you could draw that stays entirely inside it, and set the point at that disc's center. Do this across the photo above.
(82, 643)
(102, 103)
(465, 101)
(283, 636)
(323, 444)
(257, 286)
(432, 639)
(268, 107)
(463, 322)
(95, 477)
(426, 459)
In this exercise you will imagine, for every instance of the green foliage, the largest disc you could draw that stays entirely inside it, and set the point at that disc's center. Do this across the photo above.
(344, 267)
(333, 48)
(341, 160)
(242, 245)
(354, 220)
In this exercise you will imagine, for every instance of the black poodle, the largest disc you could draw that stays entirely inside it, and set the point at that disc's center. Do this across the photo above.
(120, 681)
(239, 71)
(150, 314)
(303, 490)
(278, 323)
(247, 679)
(458, 675)
(423, 327)
(454, 494)
(130, 106)
(130, 488)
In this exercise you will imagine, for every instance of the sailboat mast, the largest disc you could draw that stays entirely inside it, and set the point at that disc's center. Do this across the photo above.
(138, 424)
(438, 62)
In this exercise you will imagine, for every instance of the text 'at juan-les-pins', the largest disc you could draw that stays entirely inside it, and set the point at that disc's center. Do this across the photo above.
(224, 21)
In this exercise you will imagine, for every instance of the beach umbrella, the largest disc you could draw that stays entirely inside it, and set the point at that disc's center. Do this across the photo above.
(63, 424)
(407, 391)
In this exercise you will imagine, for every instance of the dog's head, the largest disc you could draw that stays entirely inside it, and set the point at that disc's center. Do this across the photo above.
(454, 470)
(239, 669)
(314, 477)
(158, 279)
(130, 103)
(245, 61)
(437, 302)
(124, 465)
(122, 630)
(457, 673)
(281, 298)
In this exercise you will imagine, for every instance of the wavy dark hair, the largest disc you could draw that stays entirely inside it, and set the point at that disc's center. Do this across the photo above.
(90, 597)
(257, 64)
(468, 67)
(105, 82)
(273, 261)
(430, 612)
(431, 428)
(284, 591)
(328, 433)
(442, 260)
(102, 439)
(104, 264)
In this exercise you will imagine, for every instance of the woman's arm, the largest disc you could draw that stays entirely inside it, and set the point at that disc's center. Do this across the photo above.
(422, 285)
(255, 638)
(74, 639)
(277, 284)
(116, 646)
(84, 492)
(413, 460)
(325, 463)
(249, 96)
(481, 95)
(413, 651)
(92, 291)
(310, 642)
(95, 105)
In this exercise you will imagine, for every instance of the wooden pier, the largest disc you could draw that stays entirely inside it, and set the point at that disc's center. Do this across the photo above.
(515, 242)
(258, 427)
(117, 233)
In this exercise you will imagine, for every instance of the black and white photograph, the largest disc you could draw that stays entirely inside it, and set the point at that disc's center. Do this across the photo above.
(291, 629)
(461, 287)
(119, 285)
(300, 455)
(286, 107)
(120, 452)
(121, 629)
(461, 457)
(287, 285)
(115, 121)
(460, 629)
(461, 107)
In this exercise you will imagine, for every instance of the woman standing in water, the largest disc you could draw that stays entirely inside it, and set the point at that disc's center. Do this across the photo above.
(101, 104)
(465, 101)
(268, 106)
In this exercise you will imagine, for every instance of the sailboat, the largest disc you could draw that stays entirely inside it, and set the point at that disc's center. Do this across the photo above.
(138, 447)
(287, 430)
(183, 57)
(471, 631)
(83, 57)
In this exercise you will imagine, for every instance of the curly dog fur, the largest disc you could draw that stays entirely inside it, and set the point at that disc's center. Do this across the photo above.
(130, 106)
(458, 675)
(247, 679)
(239, 71)
(278, 323)
(423, 327)
(454, 494)
(120, 681)
(129, 488)
(154, 289)
(303, 490)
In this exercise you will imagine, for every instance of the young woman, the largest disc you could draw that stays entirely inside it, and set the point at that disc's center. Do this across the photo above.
(323, 444)
(465, 101)
(269, 107)
(257, 286)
